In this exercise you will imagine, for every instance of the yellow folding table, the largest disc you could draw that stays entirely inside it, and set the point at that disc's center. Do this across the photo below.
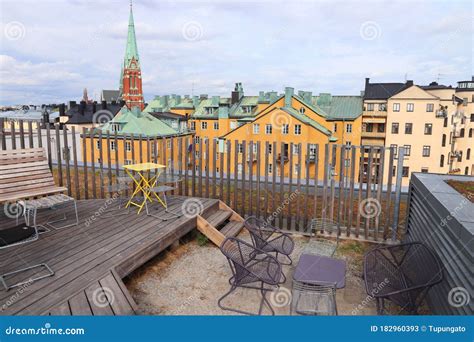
(144, 183)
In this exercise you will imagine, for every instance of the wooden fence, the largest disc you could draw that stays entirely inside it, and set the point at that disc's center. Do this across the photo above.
(358, 193)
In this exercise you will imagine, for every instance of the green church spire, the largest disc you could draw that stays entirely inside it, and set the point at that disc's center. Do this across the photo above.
(131, 51)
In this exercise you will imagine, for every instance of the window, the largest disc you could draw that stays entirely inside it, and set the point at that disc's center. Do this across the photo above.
(204, 125)
(335, 128)
(396, 107)
(426, 151)
(270, 168)
(464, 101)
(428, 129)
(348, 144)
(424, 170)
(461, 133)
(115, 127)
(239, 168)
(312, 151)
(296, 149)
(407, 149)
(443, 140)
(297, 169)
(395, 149)
(197, 139)
(410, 107)
(297, 129)
(470, 132)
(370, 107)
(472, 117)
(216, 126)
(128, 162)
(395, 128)
(445, 122)
(112, 145)
(466, 170)
(128, 146)
(285, 128)
(441, 161)
(233, 124)
(348, 128)
(408, 128)
(460, 156)
(302, 110)
(240, 148)
(381, 128)
(98, 144)
(268, 129)
(369, 127)
(256, 128)
(193, 125)
(269, 149)
(429, 107)
(382, 107)
(405, 171)
(468, 154)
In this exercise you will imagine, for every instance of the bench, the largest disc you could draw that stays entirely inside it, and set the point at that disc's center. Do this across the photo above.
(25, 178)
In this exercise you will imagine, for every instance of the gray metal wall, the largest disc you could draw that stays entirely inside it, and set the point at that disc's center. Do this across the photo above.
(443, 219)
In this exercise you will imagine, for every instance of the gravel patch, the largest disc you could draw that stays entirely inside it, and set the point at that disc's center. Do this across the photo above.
(189, 280)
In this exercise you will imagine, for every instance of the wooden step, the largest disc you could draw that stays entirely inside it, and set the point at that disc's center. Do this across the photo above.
(232, 228)
(219, 217)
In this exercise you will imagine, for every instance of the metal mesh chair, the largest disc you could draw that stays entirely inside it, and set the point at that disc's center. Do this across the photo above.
(269, 239)
(251, 268)
(322, 246)
(402, 274)
(166, 182)
(315, 300)
(18, 235)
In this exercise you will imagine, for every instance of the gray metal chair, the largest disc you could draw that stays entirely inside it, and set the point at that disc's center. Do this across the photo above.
(269, 239)
(166, 182)
(319, 245)
(252, 269)
(314, 300)
(121, 186)
(18, 235)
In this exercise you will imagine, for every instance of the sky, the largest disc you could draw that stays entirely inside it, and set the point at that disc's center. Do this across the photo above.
(52, 50)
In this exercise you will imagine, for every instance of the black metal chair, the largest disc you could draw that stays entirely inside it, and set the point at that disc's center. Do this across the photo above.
(18, 235)
(313, 300)
(251, 268)
(321, 244)
(402, 274)
(269, 239)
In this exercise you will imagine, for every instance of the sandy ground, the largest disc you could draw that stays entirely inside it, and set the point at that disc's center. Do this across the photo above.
(189, 280)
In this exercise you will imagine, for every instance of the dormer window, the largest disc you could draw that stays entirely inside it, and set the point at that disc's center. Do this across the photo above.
(115, 127)
(302, 110)
(247, 109)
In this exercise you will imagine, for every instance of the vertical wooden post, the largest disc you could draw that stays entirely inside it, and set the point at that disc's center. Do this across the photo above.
(340, 212)
(398, 193)
(250, 165)
(206, 166)
(325, 185)
(265, 203)
(214, 167)
(282, 181)
(12, 134)
(351, 190)
(22, 135)
(74, 157)
(236, 173)
(244, 156)
(39, 137)
(84, 160)
(109, 163)
(67, 159)
(221, 174)
(30, 134)
(306, 197)
(361, 185)
(193, 170)
(101, 165)
(48, 144)
(93, 146)
(3, 141)
(229, 150)
(58, 156)
(316, 182)
(201, 149)
(388, 197)
(379, 189)
(369, 190)
(298, 189)
(180, 164)
(274, 174)
(259, 157)
(290, 187)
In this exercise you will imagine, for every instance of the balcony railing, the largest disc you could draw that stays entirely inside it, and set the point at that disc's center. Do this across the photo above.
(375, 134)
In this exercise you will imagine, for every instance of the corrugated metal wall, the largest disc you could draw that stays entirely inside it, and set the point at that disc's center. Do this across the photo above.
(441, 218)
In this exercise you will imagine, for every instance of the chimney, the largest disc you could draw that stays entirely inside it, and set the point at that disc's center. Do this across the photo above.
(409, 83)
(203, 96)
(62, 109)
(72, 104)
(288, 95)
(103, 105)
(178, 100)
(216, 100)
(82, 107)
(195, 101)
(367, 81)
(472, 78)
(308, 96)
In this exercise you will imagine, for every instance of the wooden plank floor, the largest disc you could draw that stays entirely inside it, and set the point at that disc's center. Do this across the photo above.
(90, 260)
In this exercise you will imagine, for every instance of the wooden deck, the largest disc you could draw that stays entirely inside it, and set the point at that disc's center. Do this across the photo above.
(90, 260)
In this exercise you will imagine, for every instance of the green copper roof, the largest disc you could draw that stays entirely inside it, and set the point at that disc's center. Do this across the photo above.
(167, 103)
(131, 51)
(134, 122)
(334, 107)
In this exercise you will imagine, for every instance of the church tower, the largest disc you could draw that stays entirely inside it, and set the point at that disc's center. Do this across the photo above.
(131, 77)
